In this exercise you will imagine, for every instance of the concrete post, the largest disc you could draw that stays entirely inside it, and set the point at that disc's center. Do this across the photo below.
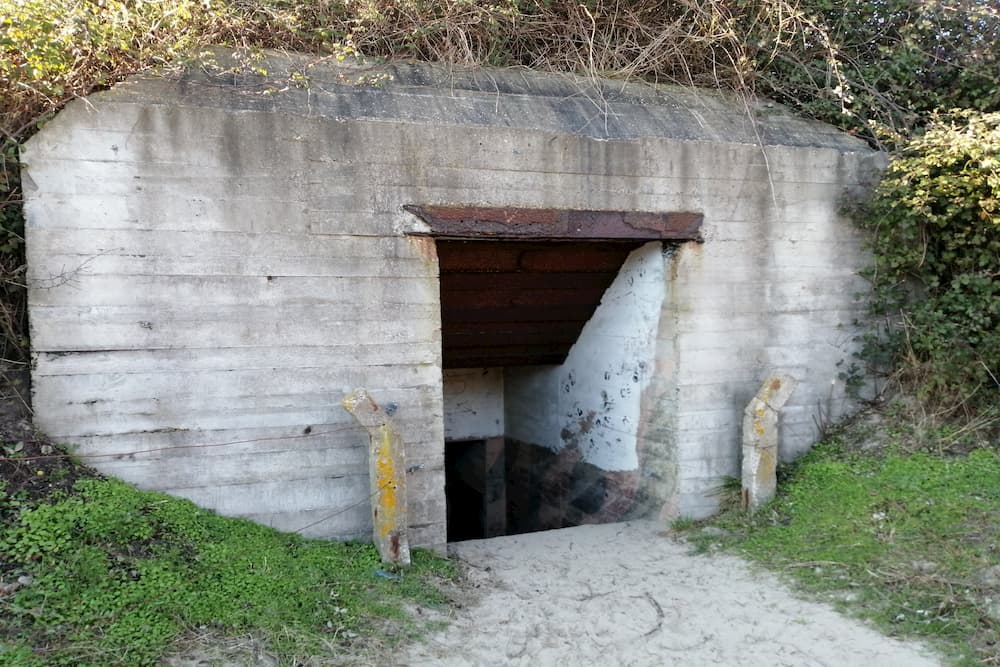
(760, 440)
(387, 471)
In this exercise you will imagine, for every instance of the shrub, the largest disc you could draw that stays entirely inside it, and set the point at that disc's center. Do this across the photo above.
(935, 224)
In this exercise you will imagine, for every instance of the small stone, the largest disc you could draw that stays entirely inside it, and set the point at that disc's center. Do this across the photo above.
(26, 580)
(845, 596)
(992, 610)
(924, 566)
(988, 577)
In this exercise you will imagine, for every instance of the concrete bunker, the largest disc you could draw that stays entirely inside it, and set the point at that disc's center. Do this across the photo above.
(242, 259)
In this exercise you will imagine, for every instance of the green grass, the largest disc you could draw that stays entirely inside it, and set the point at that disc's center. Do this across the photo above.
(905, 539)
(119, 574)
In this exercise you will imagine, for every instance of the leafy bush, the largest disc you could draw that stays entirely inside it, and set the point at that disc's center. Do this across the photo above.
(896, 63)
(935, 224)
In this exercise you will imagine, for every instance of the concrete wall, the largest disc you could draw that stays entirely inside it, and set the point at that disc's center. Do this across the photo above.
(587, 412)
(592, 401)
(473, 403)
(211, 269)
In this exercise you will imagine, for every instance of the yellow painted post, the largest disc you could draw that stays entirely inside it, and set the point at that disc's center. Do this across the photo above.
(387, 472)
(760, 441)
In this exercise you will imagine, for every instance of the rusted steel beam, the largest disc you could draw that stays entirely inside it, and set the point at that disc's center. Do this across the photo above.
(506, 256)
(469, 222)
(482, 335)
(567, 281)
(491, 359)
(387, 471)
(500, 297)
(531, 313)
(508, 352)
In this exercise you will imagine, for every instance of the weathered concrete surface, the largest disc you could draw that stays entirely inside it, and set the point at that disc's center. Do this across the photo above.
(625, 594)
(592, 401)
(473, 403)
(760, 441)
(210, 265)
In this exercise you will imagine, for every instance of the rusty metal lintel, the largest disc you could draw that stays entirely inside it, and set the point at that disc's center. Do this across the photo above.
(469, 222)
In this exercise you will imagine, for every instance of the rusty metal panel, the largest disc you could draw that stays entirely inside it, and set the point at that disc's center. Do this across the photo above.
(499, 297)
(518, 303)
(505, 256)
(529, 313)
(479, 282)
(469, 222)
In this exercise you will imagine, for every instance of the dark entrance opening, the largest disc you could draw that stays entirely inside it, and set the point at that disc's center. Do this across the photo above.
(513, 306)
(518, 287)
(475, 488)
(465, 482)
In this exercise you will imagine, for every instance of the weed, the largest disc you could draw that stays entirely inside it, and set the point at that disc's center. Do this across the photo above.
(682, 524)
(729, 493)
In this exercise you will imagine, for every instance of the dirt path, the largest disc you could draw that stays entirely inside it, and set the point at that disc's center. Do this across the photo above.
(623, 594)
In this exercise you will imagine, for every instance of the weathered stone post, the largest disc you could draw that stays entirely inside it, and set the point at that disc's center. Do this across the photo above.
(760, 440)
(387, 471)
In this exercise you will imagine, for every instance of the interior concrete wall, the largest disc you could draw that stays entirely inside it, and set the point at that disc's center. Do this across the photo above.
(592, 402)
(587, 412)
(473, 403)
(211, 269)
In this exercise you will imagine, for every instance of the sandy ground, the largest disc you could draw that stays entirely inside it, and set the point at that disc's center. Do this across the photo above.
(625, 594)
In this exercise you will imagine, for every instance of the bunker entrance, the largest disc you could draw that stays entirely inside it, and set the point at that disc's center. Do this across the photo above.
(549, 325)
(510, 313)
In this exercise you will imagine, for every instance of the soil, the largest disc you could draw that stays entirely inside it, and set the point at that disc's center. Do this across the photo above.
(32, 467)
(630, 594)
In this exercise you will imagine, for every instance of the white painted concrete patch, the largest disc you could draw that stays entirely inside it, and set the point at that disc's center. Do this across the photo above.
(593, 400)
(473, 403)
